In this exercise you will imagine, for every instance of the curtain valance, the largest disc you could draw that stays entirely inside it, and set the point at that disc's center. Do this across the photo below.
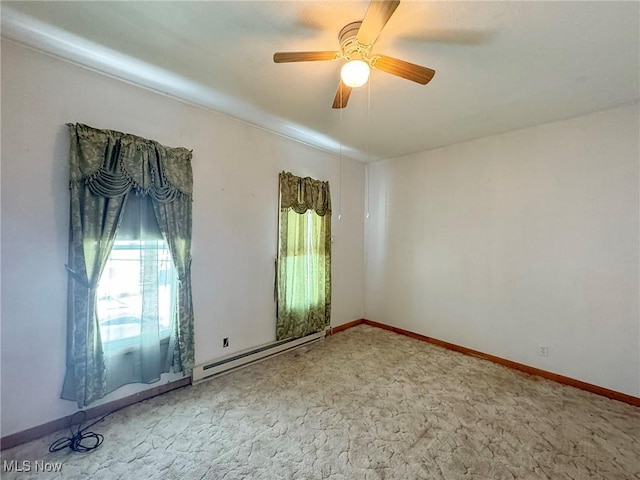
(302, 194)
(111, 163)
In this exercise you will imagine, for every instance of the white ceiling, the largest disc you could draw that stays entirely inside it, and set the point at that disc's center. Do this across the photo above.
(499, 66)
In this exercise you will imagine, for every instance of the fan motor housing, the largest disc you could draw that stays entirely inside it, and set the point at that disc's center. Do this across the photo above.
(351, 48)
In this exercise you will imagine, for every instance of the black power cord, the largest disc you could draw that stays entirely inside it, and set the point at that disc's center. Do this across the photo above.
(80, 441)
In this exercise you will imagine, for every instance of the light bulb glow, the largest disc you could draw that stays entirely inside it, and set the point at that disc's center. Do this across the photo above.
(355, 73)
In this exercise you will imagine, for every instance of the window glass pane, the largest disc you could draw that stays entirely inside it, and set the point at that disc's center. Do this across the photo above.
(304, 285)
(120, 290)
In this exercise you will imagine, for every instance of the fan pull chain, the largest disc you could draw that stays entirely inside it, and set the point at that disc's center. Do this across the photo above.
(340, 157)
(368, 145)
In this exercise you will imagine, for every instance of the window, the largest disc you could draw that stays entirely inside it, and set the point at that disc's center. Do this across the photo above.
(304, 257)
(304, 280)
(138, 282)
(137, 291)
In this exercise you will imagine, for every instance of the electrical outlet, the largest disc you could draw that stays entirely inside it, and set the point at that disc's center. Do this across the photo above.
(225, 342)
(543, 350)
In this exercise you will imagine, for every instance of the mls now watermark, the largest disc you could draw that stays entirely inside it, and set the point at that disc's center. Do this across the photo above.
(29, 466)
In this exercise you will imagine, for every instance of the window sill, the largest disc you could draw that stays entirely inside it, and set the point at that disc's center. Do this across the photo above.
(128, 345)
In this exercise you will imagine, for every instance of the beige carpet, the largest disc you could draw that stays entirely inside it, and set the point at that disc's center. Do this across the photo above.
(363, 404)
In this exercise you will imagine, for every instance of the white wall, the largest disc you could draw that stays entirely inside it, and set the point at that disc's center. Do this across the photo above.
(234, 220)
(510, 241)
(499, 244)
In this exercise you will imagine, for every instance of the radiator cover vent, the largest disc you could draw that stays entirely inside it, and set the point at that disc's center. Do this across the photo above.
(238, 360)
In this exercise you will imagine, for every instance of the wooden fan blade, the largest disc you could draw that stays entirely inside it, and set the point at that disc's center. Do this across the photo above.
(403, 69)
(283, 57)
(377, 16)
(342, 96)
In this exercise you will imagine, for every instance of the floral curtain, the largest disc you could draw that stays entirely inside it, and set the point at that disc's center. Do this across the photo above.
(106, 167)
(304, 257)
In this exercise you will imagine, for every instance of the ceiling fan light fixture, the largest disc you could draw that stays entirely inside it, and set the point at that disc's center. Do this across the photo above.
(355, 73)
(356, 42)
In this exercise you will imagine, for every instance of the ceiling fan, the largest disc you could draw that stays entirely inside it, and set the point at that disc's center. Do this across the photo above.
(356, 41)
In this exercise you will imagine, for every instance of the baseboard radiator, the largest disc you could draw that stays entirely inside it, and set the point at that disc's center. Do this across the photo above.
(237, 360)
